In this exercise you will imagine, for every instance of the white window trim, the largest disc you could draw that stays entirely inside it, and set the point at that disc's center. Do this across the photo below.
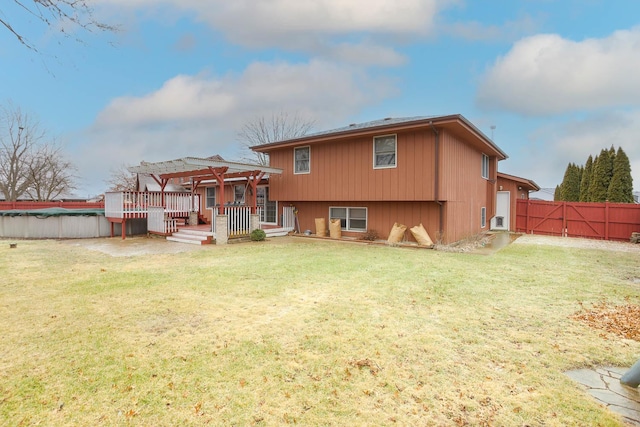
(294, 161)
(276, 202)
(355, 230)
(244, 193)
(395, 164)
(483, 217)
(206, 198)
(482, 166)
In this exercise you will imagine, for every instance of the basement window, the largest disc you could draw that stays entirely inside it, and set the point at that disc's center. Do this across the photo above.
(351, 219)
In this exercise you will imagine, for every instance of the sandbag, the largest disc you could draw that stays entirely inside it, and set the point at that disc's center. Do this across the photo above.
(321, 227)
(397, 233)
(421, 235)
(335, 229)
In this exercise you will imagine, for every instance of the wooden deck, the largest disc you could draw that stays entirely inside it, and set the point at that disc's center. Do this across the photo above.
(167, 213)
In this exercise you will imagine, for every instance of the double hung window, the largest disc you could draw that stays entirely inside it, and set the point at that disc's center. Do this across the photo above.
(384, 152)
(302, 160)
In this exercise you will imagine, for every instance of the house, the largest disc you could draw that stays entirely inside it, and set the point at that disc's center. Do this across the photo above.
(440, 171)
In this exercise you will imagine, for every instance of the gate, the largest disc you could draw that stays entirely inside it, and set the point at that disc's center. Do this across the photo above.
(608, 221)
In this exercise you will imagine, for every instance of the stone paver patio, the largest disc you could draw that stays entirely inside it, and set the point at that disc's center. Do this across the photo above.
(604, 385)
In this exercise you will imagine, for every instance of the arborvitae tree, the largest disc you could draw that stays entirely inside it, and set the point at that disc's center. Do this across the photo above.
(586, 180)
(602, 172)
(621, 185)
(570, 187)
(556, 194)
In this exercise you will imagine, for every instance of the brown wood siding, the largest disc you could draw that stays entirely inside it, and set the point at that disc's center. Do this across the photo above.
(380, 216)
(515, 195)
(463, 188)
(228, 197)
(344, 171)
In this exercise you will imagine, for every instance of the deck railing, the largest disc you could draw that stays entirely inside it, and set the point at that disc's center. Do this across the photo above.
(239, 220)
(135, 204)
(158, 222)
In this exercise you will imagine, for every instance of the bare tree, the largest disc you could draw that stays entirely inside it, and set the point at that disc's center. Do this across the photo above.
(64, 16)
(263, 130)
(50, 174)
(30, 165)
(122, 180)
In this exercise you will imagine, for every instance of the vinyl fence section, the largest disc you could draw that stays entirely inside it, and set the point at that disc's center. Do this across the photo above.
(605, 221)
(4, 206)
(62, 226)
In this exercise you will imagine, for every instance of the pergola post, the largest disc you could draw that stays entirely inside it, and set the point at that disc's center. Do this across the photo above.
(254, 180)
(218, 174)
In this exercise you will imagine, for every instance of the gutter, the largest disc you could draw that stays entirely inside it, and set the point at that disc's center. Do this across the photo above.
(436, 181)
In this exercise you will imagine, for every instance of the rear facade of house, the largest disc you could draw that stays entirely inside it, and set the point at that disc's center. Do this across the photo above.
(438, 171)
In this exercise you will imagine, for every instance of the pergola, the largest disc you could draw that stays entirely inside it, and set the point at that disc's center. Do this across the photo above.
(199, 170)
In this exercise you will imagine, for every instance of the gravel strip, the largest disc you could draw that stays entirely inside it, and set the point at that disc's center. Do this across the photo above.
(574, 242)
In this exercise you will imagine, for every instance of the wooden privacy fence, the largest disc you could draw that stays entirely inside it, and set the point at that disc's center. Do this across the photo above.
(608, 221)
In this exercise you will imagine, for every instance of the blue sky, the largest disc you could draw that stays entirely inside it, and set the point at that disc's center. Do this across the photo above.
(559, 80)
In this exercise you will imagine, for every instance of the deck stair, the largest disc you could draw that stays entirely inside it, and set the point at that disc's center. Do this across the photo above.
(194, 237)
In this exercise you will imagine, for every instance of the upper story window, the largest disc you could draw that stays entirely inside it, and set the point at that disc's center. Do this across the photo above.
(301, 159)
(485, 166)
(384, 151)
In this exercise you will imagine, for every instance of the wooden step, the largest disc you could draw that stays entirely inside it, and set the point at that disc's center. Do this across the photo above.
(194, 237)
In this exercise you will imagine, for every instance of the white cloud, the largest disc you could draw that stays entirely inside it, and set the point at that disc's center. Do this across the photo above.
(547, 74)
(200, 115)
(547, 151)
(355, 31)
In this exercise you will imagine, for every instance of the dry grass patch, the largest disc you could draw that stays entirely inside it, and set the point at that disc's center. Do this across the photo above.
(304, 332)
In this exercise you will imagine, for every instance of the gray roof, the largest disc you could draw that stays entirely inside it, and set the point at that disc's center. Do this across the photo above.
(383, 123)
(371, 124)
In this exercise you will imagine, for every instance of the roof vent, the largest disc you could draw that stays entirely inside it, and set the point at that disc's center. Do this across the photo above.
(352, 125)
(387, 118)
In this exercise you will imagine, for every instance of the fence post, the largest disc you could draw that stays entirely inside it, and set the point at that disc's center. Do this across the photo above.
(565, 232)
(526, 225)
(222, 236)
(606, 220)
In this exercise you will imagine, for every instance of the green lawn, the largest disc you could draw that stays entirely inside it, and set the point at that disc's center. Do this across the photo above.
(299, 331)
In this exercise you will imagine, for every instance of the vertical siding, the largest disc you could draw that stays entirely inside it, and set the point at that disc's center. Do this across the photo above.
(343, 170)
(463, 188)
(342, 174)
(380, 216)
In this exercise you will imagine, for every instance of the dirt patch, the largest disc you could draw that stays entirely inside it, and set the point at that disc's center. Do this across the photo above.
(132, 246)
(142, 245)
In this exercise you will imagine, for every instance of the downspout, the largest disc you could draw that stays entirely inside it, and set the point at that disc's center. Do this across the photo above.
(436, 180)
